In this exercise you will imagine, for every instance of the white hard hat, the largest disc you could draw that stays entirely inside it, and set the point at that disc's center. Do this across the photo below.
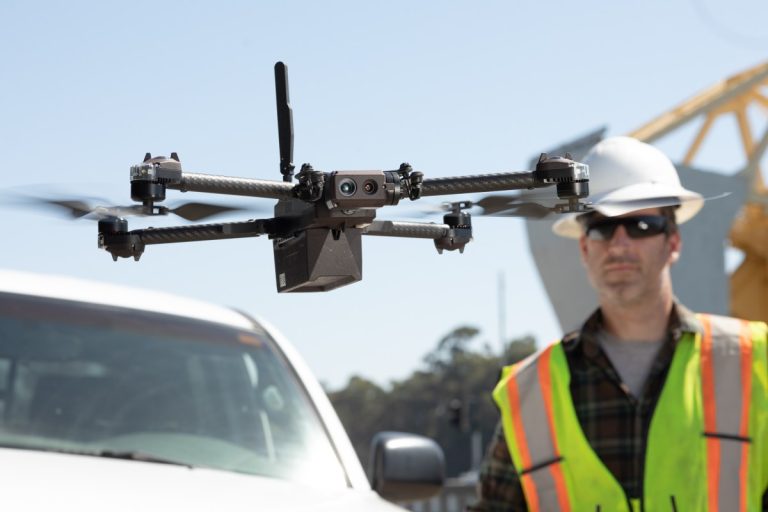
(627, 175)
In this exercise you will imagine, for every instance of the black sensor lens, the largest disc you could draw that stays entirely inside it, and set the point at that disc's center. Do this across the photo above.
(347, 187)
(370, 187)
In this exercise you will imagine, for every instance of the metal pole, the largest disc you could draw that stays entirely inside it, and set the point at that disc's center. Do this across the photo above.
(477, 449)
(502, 296)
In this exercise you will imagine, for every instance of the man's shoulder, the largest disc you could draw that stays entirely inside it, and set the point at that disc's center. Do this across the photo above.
(529, 363)
(731, 328)
(570, 338)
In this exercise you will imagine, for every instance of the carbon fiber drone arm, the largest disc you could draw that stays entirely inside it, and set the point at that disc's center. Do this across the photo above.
(115, 238)
(209, 183)
(201, 232)
(353, 189)
(407, 229)
(195, 182)
(446, 236)
(481, 183)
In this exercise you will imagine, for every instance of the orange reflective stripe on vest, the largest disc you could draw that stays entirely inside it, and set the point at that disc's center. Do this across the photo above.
(533, 418)
(726, 384)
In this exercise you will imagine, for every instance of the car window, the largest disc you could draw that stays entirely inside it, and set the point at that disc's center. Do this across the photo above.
(85, 378)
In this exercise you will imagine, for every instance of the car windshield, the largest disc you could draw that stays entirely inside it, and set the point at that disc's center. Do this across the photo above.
(92, 379)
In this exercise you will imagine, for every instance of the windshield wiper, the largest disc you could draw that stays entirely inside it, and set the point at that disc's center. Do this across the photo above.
(110, 454)
(140, 456)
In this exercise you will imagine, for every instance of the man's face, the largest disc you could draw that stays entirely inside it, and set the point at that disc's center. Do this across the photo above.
(626, 270)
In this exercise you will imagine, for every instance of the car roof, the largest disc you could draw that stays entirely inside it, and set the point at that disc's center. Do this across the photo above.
(95, 292)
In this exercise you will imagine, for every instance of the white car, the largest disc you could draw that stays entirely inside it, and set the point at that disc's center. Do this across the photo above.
(113, 398)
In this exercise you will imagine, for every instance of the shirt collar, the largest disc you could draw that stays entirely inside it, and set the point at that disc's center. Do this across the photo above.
(681, 321)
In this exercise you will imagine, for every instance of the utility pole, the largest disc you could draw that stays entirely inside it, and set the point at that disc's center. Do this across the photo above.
(502, 304)
(476, 443)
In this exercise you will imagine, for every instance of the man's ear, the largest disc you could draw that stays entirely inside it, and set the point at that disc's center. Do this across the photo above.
(675, 246)
(583, 249)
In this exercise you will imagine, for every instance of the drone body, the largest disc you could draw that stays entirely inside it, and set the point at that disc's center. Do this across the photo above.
(320, 218)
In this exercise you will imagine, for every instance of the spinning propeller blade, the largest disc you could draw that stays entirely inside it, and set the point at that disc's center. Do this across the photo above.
(199, 211)
(512, 205)
(96, 209)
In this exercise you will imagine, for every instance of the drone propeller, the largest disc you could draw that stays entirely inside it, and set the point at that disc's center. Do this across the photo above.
(512, 205)
(76, 208)
(496, 205)
(81, 208)
(199, 211)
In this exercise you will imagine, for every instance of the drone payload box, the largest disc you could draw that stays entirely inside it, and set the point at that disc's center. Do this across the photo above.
(318, 260)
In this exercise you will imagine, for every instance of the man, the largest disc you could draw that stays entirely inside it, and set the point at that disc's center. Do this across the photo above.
(648, 406)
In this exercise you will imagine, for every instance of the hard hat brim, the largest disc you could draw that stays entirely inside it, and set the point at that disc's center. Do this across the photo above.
(632, 198)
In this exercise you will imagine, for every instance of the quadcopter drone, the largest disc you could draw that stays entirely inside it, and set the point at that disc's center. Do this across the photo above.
(320, 217)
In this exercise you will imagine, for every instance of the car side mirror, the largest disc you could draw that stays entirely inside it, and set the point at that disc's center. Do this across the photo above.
(405, 467)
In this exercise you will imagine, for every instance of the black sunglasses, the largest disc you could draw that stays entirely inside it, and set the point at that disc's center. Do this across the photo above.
(641, 226)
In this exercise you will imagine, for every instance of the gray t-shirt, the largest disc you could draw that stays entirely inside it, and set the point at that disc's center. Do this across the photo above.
(632, 359)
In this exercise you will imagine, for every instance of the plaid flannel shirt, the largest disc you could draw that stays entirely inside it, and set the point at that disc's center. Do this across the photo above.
(615, 423)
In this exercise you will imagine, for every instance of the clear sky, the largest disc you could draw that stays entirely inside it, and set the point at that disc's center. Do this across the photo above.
(454, 88)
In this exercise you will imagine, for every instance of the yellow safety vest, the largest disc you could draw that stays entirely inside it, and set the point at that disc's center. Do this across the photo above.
(707, 446)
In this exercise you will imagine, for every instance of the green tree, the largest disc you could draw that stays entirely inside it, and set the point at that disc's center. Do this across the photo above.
(360, 405)
(450, 346)
(448, 400)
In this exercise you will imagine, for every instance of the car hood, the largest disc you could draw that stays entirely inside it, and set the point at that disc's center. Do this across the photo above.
(33, 480)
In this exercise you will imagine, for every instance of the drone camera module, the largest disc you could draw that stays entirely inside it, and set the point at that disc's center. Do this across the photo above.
(359, 189)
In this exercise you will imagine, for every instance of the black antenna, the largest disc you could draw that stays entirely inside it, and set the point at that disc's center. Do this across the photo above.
(284, 121)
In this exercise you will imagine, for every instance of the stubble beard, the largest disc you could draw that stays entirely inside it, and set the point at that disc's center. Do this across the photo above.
(632, 287)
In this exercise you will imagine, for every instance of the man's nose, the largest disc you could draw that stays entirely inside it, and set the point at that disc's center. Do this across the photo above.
(620, 237)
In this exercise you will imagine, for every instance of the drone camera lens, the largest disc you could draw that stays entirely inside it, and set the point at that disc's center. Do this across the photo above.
(370, 187)
(347, 187)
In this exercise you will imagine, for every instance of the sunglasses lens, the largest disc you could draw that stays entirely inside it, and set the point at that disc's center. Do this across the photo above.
(601, 231)
(646, 226)
(636, 227)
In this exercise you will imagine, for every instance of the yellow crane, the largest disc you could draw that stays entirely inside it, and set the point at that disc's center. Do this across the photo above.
(735, 96)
